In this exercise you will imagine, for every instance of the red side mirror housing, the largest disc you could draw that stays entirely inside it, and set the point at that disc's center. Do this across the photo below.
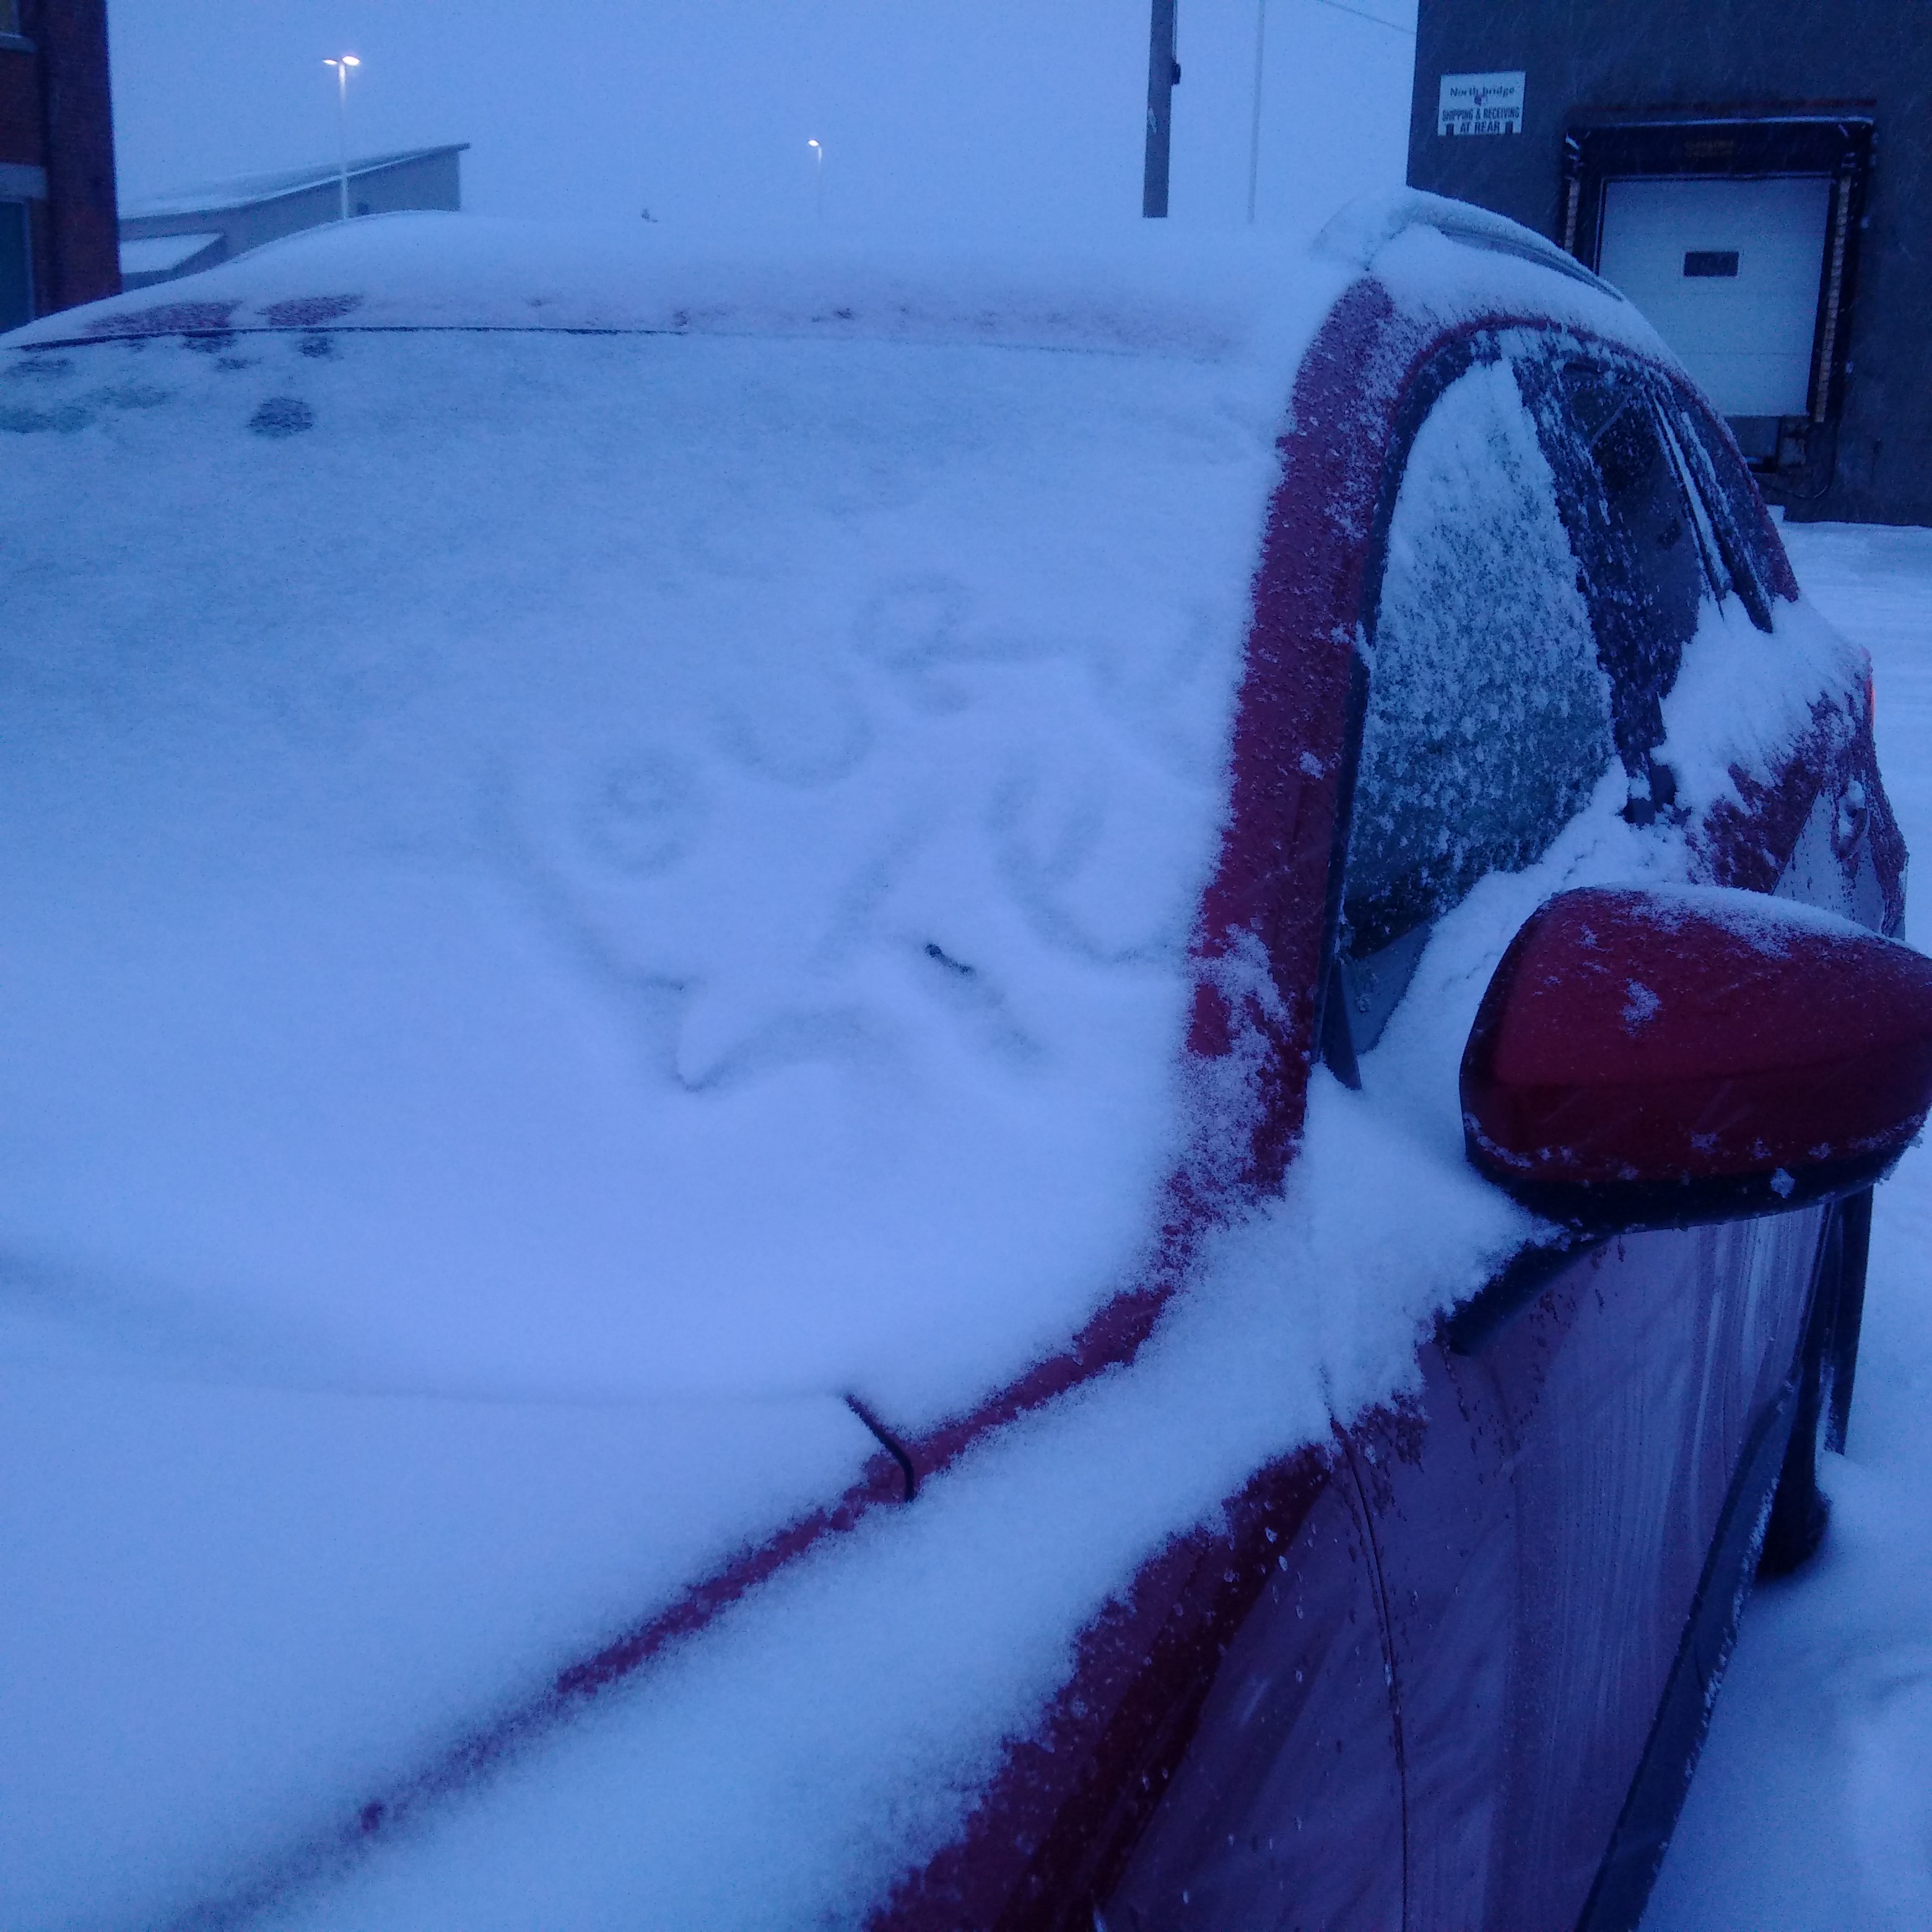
(1663, 1057)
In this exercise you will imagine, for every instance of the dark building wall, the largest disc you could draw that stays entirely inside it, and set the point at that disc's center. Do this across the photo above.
(1583, 56)
(77, 112)
(56, 115)
(19, 105)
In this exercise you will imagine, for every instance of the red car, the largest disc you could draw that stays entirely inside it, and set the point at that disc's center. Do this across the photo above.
(1530, 763)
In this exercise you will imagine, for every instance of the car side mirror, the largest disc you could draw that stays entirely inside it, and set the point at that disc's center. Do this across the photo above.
(1665, 1057)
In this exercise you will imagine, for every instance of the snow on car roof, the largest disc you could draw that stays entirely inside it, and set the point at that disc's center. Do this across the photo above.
(609, 863)
(1145, 289)
(1446, 262)
(1135, 292)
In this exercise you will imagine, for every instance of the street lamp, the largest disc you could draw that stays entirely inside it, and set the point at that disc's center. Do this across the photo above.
(1254, 122)
(818, 151)
(342, 63)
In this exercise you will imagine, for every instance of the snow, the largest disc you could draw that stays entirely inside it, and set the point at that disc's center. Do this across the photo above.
(1464, 274)
(776, 1774)
(1764, 923)
(811, 750)
(1132, 289)
(573, 898)
(1740, 697)
(153, 255)
(231, 1613)
(1812, 1807)
(1359, 232)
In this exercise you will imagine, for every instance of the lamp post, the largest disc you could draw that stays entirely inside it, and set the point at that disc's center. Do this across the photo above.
(1163, 77)
(819, 151)
(1254, 121)
(342, 63)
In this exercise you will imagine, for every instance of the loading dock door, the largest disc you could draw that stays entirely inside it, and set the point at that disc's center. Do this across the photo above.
(1729, 271)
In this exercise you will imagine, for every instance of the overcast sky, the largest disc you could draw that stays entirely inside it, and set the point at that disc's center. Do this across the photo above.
(959, 113)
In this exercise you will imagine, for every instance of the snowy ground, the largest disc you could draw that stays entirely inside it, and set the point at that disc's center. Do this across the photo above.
(1813, 1808)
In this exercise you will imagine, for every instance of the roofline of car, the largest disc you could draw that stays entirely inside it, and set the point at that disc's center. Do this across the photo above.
(108, 338)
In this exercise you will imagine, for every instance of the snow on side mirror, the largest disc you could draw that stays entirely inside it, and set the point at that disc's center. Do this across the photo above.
(1663, 1057)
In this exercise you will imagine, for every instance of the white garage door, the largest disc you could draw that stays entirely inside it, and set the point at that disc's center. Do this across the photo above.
(1728, 270)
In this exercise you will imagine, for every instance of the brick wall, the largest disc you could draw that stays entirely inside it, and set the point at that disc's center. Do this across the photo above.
(57, 115)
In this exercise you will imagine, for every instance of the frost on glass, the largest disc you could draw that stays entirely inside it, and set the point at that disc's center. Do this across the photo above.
(1488, 717)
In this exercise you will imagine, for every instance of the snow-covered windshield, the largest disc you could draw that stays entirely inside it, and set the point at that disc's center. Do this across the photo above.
(559, 862)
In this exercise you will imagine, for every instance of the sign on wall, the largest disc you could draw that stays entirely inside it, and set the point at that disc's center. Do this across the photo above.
(1480, 104)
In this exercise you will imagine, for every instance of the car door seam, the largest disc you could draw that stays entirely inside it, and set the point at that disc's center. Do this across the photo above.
(1385, 1632)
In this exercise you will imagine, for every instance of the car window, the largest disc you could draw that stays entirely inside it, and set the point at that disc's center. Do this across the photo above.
(1737, 521)
(1634, 523)
(1487, 719)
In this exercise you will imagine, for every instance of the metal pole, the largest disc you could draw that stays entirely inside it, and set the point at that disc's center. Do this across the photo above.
(1163, 74)
(342, 130)
(1255, 124)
